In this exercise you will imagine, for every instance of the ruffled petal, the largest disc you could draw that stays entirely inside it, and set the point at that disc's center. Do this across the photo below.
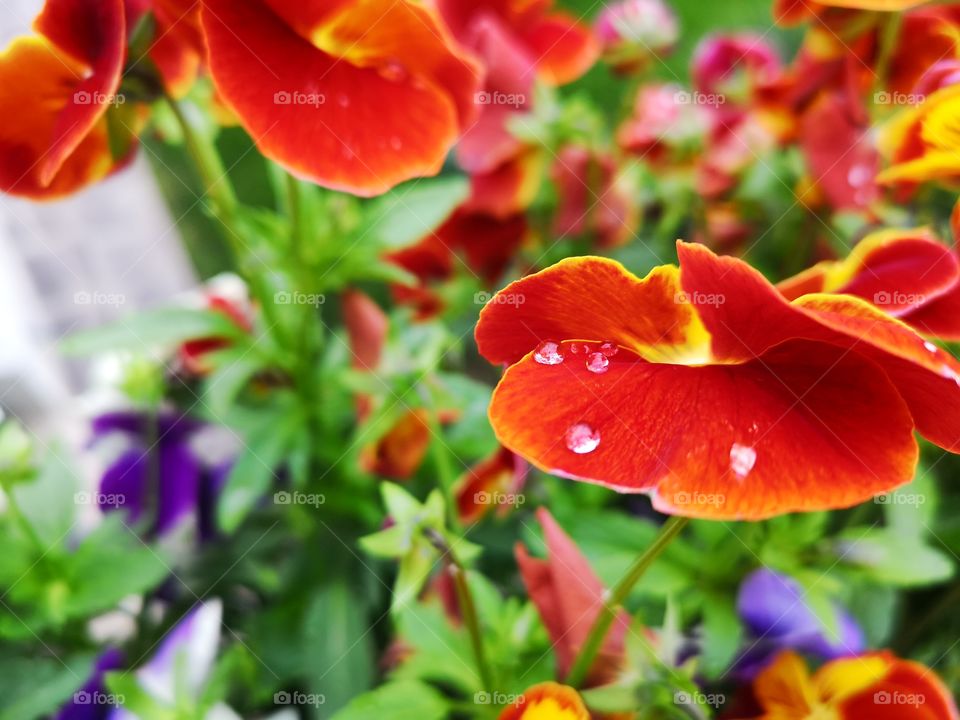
(547, 701)
(360, 124)
(564, 49)
(592, 298)
(716, 441)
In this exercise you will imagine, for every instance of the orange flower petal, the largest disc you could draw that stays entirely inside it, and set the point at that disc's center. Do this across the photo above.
(547, 701)
(39, 157)
(754, 318)
(569, 595)
(719, 441)
(939, 318)
(564, 49)
(785, 688)
(490, 484)
(361, 123)
(592, 298)
(400, 451)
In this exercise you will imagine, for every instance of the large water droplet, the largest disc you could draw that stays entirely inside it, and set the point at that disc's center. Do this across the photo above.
(609, 349)
(582, 439)
(742, 459)
(548, 354)
(930, 347)
(598, 363)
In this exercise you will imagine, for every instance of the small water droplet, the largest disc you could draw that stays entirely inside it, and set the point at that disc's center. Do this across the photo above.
(394, 70)
(396, 143)
(343, 100)
(598, 363)
(742, 459)
(574, 349)
(582, 439)
(609, 349)
(548, 354)
(930, 347)
(859, 175)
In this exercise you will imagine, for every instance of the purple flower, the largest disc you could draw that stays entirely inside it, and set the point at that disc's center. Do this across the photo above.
(90, 702)
(159, 472)
(773, 608)
(183, 661)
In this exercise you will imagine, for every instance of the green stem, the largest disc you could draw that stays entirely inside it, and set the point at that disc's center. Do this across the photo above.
(13, 507)
(591, 646)
(468, 609)
(446, 475)
(889, 33)
(217, 186)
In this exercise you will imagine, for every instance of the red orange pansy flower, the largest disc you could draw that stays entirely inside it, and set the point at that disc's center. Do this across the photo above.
(57, 88)
(908, 274)
(547, 701)
(569, 597)
(878, 686)
(355, 95)
(705, 388)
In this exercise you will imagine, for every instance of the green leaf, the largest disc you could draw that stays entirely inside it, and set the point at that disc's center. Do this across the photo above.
(721, 635)
(403, 700)
(165, 328)
(892, 559)
(49, 502)
(109, 565)
(33, 687)
(339, 647)
(267, 444)
(390, 543)
(411, 212)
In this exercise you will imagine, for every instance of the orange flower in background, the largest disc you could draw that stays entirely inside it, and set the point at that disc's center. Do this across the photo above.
(518, 42)
(356, 95)
(705, 388)
(922, 143)
(569, 597)
(908, 274)
(57, 87)
(547, 701)
(492, 484)
(878, 686)
(177, 46)
(791, 12)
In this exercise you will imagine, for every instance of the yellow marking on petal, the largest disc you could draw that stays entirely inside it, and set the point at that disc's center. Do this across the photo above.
(838, 680)
(549, 709)
(841, 272)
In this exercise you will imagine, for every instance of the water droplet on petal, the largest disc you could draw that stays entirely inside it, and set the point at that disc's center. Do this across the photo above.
(343, 100)
(396, 143)
(609, 349)
(598, 363)
(574, 348)
(548, 354)
(930, 347)
(742, 459)
(395, 71)
(582, 439)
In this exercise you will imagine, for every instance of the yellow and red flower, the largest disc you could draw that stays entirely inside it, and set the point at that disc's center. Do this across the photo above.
(705, 388)
(57, 87)
(547, 701)
(355, 95)
(569, 596)
(923, 143)
(791, 12)
(908, 274)
(878, 686)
